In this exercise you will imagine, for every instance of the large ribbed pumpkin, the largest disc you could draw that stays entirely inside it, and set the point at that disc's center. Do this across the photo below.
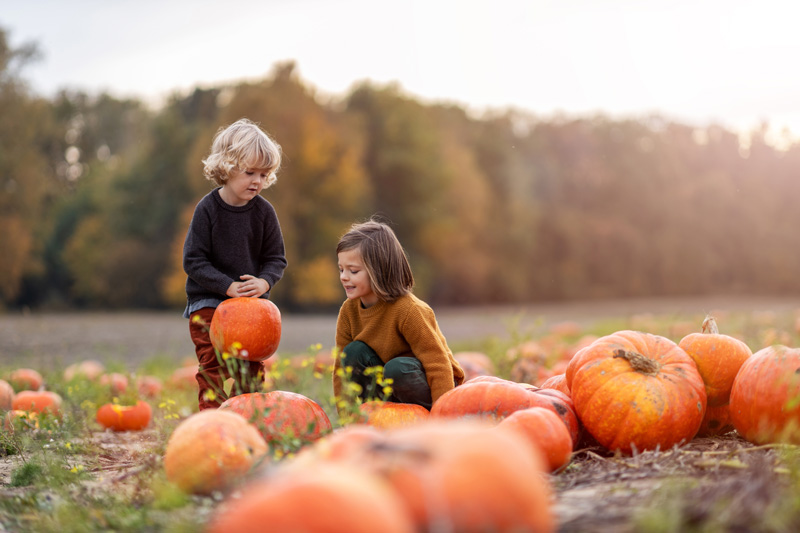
(637, 391)
(246, 328)
(211, 451)
(281, 414)
(765, 399)
(718, 358)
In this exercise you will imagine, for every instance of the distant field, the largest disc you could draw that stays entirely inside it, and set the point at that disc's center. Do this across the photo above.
(41, 339)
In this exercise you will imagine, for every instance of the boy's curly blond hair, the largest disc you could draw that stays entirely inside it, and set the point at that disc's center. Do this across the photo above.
(241, 146)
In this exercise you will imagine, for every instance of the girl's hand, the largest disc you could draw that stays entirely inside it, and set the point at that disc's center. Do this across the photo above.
(251, 286)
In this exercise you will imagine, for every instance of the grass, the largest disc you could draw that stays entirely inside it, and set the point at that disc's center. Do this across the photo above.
(69, 475)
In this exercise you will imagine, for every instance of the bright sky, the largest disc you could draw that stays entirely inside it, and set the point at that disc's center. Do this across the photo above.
(732, 62)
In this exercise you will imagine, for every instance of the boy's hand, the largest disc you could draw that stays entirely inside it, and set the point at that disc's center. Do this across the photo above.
(249, 287)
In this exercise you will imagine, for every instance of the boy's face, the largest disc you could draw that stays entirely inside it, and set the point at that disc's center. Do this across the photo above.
(243, 185)
(354, 278)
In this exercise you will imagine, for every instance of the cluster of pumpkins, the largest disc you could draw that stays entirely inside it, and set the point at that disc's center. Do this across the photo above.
(25, 397)
(480, 458)
(629, 391)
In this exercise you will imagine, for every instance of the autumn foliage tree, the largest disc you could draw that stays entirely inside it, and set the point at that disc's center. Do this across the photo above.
(504, 206)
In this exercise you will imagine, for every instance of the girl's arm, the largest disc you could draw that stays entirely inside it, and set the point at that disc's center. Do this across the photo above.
(429, 345)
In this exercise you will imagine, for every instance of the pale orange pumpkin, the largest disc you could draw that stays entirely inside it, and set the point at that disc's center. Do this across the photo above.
(89, 369)
(26, 379)
(387, 415)
(42, 402)
(474, 364)
(124, 417)
(212, 451)
(117, 383)
(326, 498)
(184, 378)
(6, 395)
(149, 386)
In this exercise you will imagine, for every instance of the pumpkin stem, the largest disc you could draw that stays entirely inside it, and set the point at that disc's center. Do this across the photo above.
(710, 325)
(639, 362)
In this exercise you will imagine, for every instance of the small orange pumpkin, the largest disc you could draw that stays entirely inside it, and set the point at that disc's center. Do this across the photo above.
(38, 402)
(385, 415)
(212, 450)
(184, 378)
(149, 386)
(125, 417)
(474, 364)
(718, 358)
(246, 328)
(545, 430)
(23, 379)
(6, 395)
(117, 383)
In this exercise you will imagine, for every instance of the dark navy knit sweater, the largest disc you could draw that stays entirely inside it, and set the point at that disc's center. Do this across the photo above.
(225, 242)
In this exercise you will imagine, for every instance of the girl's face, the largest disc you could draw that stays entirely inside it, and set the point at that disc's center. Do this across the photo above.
(243, 185)
(355, 279)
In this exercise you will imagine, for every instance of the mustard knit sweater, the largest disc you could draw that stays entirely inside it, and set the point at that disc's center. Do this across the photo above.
(405, 327)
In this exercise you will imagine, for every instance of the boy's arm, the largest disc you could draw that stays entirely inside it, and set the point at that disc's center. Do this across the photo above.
(273, 253)
(197, 252)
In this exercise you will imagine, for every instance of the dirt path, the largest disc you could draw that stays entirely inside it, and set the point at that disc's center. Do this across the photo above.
(45, 339)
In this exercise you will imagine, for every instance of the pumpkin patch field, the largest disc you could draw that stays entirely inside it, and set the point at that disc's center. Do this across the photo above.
(658, 421)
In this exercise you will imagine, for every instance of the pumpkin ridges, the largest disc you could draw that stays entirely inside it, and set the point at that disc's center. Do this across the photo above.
(764, 396)
(625, 409)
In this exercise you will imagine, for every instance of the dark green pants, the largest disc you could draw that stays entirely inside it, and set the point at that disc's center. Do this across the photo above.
(409, 383)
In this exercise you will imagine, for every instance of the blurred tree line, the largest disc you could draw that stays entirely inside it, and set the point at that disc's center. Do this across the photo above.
(96, 194)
